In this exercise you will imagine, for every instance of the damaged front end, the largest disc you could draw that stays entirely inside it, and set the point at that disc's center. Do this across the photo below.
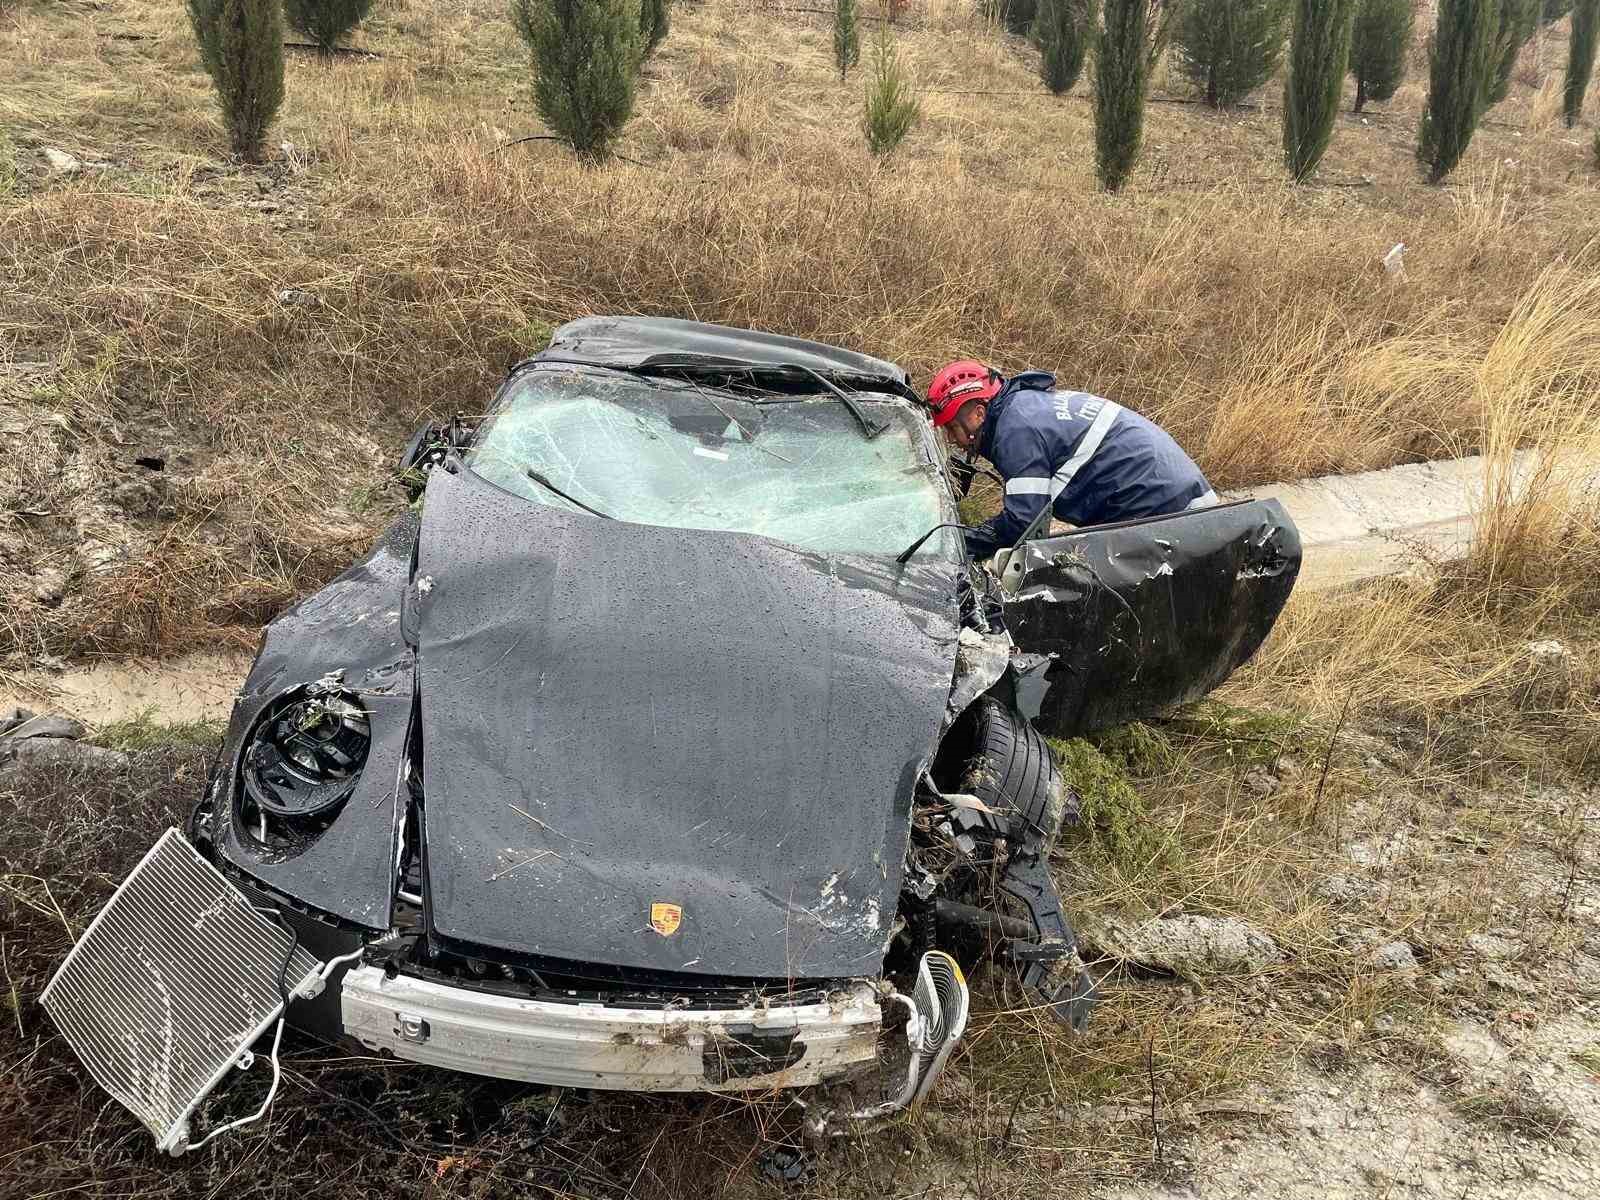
(550, 789)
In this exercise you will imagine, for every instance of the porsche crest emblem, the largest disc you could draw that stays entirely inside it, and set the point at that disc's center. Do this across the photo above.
(665, 918)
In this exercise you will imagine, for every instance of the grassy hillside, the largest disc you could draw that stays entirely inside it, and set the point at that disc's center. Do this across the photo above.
(144, 321)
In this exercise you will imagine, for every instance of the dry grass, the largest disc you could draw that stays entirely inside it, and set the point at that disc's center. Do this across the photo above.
(1248, 315)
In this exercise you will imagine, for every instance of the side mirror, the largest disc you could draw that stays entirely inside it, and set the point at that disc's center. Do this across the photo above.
(426, 450)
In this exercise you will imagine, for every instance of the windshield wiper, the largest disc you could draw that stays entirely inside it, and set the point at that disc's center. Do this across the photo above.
(688, 367)
(546, 484)
(905, 555)
(868, 428)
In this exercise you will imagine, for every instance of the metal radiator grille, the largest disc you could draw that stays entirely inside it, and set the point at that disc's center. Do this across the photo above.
(170, 984)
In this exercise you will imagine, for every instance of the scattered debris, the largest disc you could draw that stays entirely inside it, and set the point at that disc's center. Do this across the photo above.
(297, 298)
(782, 1164)
(1394, 263)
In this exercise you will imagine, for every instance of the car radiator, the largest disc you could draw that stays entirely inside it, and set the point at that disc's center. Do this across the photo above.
(171, 984)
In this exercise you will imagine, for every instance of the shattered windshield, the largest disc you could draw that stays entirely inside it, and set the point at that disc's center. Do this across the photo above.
(667, 452)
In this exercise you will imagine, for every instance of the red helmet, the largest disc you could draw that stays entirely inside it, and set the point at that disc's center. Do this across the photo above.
(956, 383)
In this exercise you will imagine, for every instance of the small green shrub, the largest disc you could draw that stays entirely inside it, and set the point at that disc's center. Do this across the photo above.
(1459, 63)
(1062, 29)
(1228, 48)
(1378, 41)
(241, 48)
(846, 35)
(325, 22)
(892, 107)
(1122, 72)
(586, 60)
(655, 19)
(1114, 817)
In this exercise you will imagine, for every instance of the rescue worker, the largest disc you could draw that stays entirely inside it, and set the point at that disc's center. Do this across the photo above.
(1091, 459)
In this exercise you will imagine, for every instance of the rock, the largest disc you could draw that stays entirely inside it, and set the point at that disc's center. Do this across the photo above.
(57, 753)
(50, 585)
(297, 298)
(1549, 651)
(47, 726)
(13, 715)
(1261, 781)
(60, 162)
(1285, 767)
(1188, 946)
(135, 497)
(1487, 945)
(1394, 956)
(1344, 889)
(1474, 1045)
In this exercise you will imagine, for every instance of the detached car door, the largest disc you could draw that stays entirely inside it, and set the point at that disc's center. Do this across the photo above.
(1117, 622)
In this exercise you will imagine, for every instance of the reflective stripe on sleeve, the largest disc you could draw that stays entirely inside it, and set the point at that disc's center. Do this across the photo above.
(1028, 486)
(1086, 448)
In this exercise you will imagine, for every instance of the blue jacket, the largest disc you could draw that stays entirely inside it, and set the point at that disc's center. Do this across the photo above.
(1099, 461)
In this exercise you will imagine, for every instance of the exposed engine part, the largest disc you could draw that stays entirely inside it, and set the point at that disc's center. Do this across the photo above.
(936, 1017)
(170, 985)
(306, 753)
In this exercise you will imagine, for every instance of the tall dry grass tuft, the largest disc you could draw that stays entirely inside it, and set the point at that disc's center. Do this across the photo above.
(1537, 536)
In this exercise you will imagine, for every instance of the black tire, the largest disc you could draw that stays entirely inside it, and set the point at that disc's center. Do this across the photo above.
(1010, 768)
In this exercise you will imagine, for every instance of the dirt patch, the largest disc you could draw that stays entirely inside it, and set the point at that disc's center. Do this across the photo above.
(191, 687)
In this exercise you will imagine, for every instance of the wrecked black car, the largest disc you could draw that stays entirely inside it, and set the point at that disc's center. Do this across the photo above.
(669, 742)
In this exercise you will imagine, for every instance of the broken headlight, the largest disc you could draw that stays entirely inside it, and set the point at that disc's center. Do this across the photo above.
(301, 763)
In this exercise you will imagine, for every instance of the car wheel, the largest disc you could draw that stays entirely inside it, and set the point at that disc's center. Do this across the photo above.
(1009, 768)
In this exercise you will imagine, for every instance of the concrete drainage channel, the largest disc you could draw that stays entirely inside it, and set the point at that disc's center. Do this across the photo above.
(1354, 528)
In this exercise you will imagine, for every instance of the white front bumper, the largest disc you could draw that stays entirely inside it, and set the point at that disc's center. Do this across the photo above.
(596, 1046)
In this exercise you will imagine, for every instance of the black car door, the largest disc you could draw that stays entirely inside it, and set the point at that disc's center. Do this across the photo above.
(1118, 622)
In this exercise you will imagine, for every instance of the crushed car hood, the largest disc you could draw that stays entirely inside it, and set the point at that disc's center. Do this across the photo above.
(673, 750)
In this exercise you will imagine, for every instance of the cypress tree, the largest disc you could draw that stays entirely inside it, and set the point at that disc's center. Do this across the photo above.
(1062, 29)
(1515, 21)
(1121, 74)
(1378, 40)
(246, 62)
(586, 57)
(203, 20)
(655, 19)
(1229, 48)
(325, 22)
(1580, 58)
(1017, 15)
(846, 35)
(892, 107)
(1459, 62)
(1318, 54)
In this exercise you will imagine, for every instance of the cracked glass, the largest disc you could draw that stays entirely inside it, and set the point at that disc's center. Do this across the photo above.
(665, 452)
